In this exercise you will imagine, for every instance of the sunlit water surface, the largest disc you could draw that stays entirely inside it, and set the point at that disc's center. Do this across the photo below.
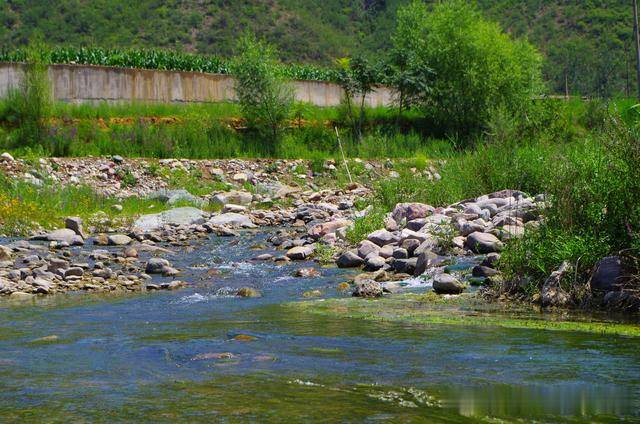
(200, 354)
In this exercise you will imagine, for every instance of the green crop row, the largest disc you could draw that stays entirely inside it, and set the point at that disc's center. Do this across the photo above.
(158, 59)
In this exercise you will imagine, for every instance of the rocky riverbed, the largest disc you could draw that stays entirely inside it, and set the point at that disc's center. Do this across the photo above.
(452, 249)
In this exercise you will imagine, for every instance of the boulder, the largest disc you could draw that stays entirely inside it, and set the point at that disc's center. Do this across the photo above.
(118, 240)
(483, 271)
(65, 235)
(373, 262)
(382, 237)
(405, 266)
(365, 247)
(447, 284)
(424, 261)
(74, 224)
(231, 219)
(6, 253)
(299, 253)
(349, 259)
(483, 243)
(552, 293)
(235, 197)
(411, 211)
(174, 197)
(608, 275)
(368, 289)
(176, 216)
(156, 265)
(320, 230)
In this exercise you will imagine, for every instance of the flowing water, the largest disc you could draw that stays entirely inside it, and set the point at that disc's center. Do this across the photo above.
(200, 355)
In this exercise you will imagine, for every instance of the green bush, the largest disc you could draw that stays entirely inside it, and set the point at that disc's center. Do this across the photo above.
(477, 67)
(264, 96)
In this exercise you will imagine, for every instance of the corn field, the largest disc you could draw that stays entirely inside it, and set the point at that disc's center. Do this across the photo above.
(158, 59)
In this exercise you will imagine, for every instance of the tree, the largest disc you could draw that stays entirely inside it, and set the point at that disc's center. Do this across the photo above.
(357, 77)
(265, 97)
(406, 72)
(478, 68)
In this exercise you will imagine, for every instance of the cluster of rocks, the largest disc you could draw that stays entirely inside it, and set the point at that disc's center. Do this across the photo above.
(28, 269)
(418, 237)
(150, 177)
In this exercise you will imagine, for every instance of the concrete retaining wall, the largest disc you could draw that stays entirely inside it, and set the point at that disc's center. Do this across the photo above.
(84, 83)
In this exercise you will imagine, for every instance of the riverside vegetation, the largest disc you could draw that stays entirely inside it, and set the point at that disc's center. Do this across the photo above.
(468, 254)
(582, 157)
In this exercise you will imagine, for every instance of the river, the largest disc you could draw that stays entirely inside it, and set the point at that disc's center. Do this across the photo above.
(200, 355)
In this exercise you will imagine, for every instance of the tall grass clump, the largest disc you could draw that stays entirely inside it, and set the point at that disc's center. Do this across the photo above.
(29, 107)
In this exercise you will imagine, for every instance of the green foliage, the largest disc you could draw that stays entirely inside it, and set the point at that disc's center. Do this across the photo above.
(264, 96)
(589, 42)
(160, 59)
(357, 77)
(362, 227)
(478, 68)
(29, 107)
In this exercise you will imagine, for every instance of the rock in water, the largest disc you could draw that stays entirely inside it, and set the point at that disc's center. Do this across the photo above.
(232, 219)
(552, 293)
(299, 253)
(368, 289)
(349, 260)
(447, 284)
(118, 240)
(608, 274)
(156, 265)
(74, 224)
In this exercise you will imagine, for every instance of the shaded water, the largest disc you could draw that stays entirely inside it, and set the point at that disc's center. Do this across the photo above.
(201, 355)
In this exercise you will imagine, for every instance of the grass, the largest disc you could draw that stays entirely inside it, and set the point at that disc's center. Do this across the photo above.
(202, 131)
(25, 207)
(468, 312)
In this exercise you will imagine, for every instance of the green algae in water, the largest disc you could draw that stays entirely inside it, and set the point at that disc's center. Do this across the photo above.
(460, 311)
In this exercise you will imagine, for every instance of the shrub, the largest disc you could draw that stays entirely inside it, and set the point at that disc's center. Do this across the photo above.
(362, 227)
(478, 68)
(264, 96)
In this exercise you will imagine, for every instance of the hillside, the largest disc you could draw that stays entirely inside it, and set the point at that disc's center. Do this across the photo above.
(590, 41)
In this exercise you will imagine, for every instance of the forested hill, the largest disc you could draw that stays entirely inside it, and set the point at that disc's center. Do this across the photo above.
(590, 40)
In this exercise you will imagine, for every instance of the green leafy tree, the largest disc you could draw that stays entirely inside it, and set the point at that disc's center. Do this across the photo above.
(478, 68)
(264, 95)
(357, 77)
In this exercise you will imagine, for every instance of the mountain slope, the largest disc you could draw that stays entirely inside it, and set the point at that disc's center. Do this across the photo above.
(589, 41)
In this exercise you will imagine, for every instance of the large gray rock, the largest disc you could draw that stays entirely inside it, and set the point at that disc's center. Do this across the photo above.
(411, 211)
(365, 247)
(235, 197)
(424, 261)
(373, 262)
(74, 224)
(177, 216)
(156, 265)
(231, 219)
(349, 259)
(65, 235)
(382, 237)
(320, 230)
(119, 240)
(299, 253)
(405, 266)
(608, 274)
(447, 284)
(483, 243)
